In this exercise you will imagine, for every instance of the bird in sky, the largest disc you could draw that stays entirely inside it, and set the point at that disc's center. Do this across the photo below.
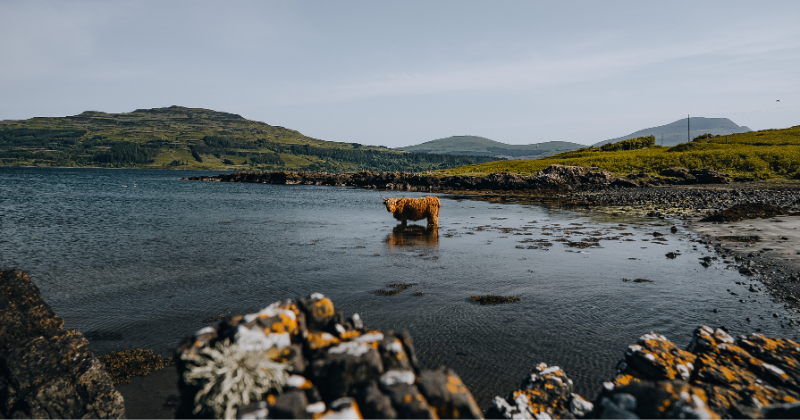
(778, 100)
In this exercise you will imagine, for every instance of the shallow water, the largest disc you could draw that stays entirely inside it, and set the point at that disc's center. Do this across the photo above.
(144, 266)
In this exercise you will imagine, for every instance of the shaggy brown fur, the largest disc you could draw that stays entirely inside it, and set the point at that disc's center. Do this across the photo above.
(404, 209)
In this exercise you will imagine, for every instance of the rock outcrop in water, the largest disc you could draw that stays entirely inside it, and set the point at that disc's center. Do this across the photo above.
(46, 371)
(553, 177)
(305, 360)
(558, 178)
(717, 376)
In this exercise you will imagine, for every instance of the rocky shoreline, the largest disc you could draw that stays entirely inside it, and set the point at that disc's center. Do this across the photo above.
(554, 178)
(768, 259)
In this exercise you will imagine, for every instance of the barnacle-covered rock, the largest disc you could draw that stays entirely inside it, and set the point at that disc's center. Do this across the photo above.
(46, 371)
(717, 376)
(546, 393)
(739, 382)
(305, 360)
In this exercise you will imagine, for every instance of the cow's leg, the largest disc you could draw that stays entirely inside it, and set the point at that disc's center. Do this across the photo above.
(433, 218)
(403, 221)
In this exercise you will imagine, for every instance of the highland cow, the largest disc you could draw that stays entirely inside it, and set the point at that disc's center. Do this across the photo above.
(404, 209)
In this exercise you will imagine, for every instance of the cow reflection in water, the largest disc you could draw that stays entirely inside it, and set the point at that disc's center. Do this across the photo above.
(413, 236)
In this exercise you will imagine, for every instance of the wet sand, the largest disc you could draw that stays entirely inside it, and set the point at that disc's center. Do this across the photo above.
(154, 396)
(774, 259)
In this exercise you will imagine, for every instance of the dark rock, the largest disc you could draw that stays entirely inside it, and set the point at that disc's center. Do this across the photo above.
(46, 371)
(303, 360)
(682, 173)
(624, 183)
(745, 212)
(373, 403)
(708, 176)
(546, 392)
(715, 377)
(448, 395)
(494, 299)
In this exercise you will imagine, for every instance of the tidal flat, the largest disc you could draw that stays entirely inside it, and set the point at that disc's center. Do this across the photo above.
(145, 266)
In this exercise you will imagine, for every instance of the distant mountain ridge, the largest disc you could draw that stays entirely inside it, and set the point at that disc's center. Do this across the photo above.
(481, 146)
(178, 137)
(676, 132)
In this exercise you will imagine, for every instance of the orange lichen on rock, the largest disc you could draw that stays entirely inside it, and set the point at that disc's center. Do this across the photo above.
(737, 380)
(720, 375)
(323, 308)
(655, 357)
(404, 209)
(321, 340)
(547, 392)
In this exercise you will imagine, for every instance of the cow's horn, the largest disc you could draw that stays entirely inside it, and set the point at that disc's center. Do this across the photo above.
(384, 198)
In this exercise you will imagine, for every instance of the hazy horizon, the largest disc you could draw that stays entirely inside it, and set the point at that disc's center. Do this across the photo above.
(400, 74)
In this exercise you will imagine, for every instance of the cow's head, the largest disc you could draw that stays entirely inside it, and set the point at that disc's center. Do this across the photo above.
(391, 204)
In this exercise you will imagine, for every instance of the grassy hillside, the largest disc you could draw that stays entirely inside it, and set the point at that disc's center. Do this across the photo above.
(754, 155)
(675, 132)
(481, 146)
(193, 138)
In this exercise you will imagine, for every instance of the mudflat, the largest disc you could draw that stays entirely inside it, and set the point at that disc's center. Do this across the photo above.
(154, 396)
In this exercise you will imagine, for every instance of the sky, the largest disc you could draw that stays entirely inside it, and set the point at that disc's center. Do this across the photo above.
(399, 73)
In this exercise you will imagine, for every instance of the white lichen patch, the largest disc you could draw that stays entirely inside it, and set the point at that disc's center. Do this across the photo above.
(549, 370)
(393, 377)
(255, 339)
(316, 408)
(205, 330)
(295, 381)
(633, 348)
(270, 311)
(351, 348)
(230, 376)
(775, 369)
(579, 407)
(684, 372)
(395, 347)
(652, 336)
(371, 337)
(721, 335)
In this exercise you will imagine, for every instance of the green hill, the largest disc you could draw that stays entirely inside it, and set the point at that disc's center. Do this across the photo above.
(481, 146)
(753, 155)
(194, 138)
(675, 132)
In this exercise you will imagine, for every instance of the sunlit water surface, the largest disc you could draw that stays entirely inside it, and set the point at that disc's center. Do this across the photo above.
(143, 267)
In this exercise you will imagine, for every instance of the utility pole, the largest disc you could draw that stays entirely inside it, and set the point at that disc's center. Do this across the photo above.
(688, 128)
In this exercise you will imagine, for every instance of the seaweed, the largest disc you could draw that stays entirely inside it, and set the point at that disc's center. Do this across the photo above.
(494, 299)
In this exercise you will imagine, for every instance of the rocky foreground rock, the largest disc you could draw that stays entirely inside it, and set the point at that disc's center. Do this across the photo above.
(717, 376)
(46, 371)
(305, 360)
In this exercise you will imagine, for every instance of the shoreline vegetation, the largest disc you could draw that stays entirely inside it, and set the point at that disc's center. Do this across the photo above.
(757, 155)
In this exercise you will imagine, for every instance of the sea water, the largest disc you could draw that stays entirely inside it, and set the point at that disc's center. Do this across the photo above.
(139, 259)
